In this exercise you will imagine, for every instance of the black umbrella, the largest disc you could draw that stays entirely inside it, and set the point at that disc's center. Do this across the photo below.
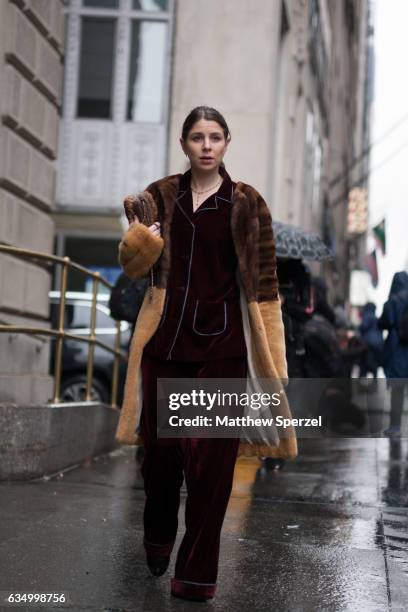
(296, 243)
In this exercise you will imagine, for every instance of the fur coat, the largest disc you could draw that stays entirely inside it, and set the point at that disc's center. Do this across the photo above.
(140, 253)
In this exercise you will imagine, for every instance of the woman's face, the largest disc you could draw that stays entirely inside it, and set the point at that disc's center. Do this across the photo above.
(205, 145)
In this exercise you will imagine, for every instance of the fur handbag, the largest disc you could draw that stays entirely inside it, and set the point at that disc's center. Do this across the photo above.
(136, 207)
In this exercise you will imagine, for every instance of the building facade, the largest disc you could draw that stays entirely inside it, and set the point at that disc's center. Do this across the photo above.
(289, 78)
(350, 102)
(31, 45)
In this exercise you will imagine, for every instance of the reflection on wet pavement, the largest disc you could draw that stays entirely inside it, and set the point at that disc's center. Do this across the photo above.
(338, 516)
(329, 532)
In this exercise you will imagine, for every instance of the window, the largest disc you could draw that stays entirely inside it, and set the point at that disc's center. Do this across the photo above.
(313, 164)
(98, 254)
(106, 4)
(78, 316)
(96, 68)
(146, 71)
(118, 53)
(150, 5)
(318, 53)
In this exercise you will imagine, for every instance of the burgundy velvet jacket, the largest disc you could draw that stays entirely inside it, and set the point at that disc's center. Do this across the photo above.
(202, 316)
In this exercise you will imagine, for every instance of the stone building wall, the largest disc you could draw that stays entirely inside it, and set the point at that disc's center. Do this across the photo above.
(31, 51)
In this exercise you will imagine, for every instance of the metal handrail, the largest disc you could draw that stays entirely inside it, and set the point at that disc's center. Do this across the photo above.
(60, 333)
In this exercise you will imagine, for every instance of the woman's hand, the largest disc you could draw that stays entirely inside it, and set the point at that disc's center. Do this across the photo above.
(154, 228)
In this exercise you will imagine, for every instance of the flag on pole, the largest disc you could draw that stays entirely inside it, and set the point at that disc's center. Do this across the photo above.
(379, 234)
(370, 264)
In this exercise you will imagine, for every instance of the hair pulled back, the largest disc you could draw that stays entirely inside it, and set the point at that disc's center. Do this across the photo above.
(204, 112)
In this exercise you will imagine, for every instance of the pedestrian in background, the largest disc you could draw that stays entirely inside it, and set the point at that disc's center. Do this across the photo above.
(194, 232)
(297, 307)
(326, 359)
(323, 357)
(372, 337)
(394, 319)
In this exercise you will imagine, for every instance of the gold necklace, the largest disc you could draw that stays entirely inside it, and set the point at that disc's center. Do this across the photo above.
(219, 181)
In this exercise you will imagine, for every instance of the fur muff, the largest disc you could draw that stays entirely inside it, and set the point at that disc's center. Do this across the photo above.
(252, 233)
(139, 250)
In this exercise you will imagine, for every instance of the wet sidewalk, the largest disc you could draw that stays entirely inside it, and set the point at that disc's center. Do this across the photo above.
(330, 532)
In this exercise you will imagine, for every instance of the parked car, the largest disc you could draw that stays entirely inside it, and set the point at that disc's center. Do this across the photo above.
(75, 353)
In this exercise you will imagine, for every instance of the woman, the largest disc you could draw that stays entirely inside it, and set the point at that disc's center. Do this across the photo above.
(200, 319)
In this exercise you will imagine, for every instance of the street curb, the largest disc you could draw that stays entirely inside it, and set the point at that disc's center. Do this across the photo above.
(41, 439)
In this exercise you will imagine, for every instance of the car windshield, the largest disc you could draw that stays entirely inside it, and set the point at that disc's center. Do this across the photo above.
(78, 316)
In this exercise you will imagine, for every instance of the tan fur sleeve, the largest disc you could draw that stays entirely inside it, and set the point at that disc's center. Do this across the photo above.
(139, 250)
(272, 317)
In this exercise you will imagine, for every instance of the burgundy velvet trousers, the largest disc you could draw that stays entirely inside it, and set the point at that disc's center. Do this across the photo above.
(208, 468)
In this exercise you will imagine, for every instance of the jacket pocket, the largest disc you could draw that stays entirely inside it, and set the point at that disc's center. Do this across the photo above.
(164, 313)
(210, 318)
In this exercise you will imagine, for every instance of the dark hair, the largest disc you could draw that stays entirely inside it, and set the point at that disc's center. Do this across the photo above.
(204, 112)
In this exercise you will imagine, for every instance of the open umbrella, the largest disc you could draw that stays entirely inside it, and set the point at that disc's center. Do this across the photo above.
(296, 243)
